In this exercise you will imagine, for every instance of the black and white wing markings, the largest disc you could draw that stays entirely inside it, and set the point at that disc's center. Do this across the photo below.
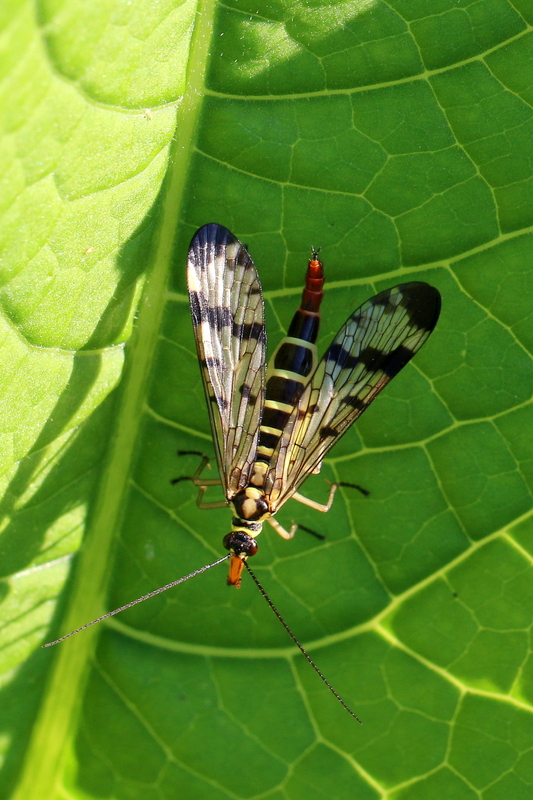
(374, 344)
(228, 318)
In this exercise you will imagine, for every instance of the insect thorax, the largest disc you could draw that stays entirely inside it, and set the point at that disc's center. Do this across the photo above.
(251, 509)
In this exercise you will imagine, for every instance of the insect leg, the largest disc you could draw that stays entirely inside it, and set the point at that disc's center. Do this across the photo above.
(288, 534)
(294, 527)
(326, 506)
(281, 530)
(196, 479)
(215, 504)
(202, 483)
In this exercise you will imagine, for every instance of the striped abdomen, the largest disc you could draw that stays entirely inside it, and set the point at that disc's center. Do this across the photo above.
(291, 365)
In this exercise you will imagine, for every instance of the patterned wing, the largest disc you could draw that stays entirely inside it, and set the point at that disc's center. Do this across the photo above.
(374, 344)
(228, 318)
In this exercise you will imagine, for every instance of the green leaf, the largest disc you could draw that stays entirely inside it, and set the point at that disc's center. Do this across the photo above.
(397, 137)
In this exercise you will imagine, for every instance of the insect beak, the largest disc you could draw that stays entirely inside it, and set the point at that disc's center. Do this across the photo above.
(236, 566)
(241, 545)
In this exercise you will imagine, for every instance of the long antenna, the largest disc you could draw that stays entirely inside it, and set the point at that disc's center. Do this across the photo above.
(140, 600)
(297, 643)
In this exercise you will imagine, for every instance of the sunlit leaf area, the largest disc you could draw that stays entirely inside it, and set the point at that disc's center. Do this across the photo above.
(397, 137)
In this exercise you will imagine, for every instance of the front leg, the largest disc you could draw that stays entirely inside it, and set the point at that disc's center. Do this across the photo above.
(281, 530)
(312, 504)
(196, 478)
(327, 505)
(215, 504)
(285, 534)
(202, 483)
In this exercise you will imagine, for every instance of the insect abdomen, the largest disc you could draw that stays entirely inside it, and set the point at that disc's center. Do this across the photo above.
(292, 364)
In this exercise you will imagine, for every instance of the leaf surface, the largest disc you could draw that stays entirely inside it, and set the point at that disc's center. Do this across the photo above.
(396, 137)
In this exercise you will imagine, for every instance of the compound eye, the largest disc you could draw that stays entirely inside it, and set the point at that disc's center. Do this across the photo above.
(240, 544)
(252, 547)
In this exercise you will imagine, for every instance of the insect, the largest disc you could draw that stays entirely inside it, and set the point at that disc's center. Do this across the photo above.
(273, 426)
